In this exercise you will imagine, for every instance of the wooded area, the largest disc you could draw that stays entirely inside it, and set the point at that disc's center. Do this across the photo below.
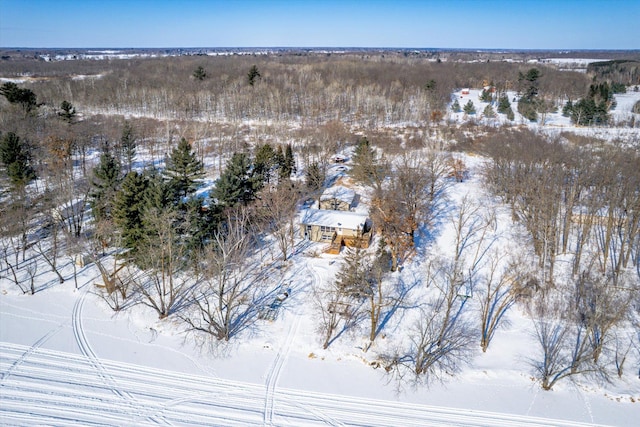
(183, 178)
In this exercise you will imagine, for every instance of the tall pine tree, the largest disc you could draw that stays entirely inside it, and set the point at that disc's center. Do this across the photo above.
(104, 185)
(183, 169)
(365, 162)
(265, 161)
(288, 163)
(237, 184)
(15, 155)
(128, 145)
(129, 208)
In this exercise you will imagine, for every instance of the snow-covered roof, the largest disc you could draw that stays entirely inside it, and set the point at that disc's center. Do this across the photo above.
(339, 192)
(338, 219)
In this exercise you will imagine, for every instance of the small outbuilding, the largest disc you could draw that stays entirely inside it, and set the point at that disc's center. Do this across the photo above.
(338, 198)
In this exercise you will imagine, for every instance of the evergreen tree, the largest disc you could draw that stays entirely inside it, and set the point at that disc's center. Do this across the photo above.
(469, 108)
(236, 184)
(528, 103)
(158, 192)
(587, 112)
(510, 114)
(489, 112)
(198, 224)
(355, 276)
(486, 95)
(287, 163)
(265, 162)
(15, 155)
(567, 109)
(128, 145)
(104, 185)
(431, 85)
(253, 75)
(529, 83)
(503, 104)
(455, 107)
(200, 73)
(182, 169)
(129, 209)
(16, 95)
(365, 162)
(67, 112)
(528, 108)
(314, 177)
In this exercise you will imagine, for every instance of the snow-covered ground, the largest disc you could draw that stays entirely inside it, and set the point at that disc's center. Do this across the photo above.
(620, 115)
(67, 359)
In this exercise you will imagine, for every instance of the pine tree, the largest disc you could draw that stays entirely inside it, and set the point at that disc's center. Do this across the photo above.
(314, 177)
(15, 155)
(129, 208)
(265, 161)
(486, 95)
(567, 109)
(489, 112)
(183, 169)
(236, 184)
(365, 162)
(253, 75)
(455, 107)
(128, 145)
(16, 95)
(200, 73)
(67, 112)
(469, 108)
(510, 114)
(287, 163)
(104, 185)
(528, 103)
(354, 277)
(158, 192)
(503, 104)
(529, 83)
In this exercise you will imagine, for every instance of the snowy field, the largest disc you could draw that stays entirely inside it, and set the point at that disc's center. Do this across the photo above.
(67, 359)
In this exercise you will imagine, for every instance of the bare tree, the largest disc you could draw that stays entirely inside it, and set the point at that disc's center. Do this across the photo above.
(276, 207)
(11, 272)
(600, 307)
(232, 287)
(496, 297)
(440, 341)
(48, 246)
(337, 313)
(564, 337)
(166, 283)
(115, 281)
(32, 271)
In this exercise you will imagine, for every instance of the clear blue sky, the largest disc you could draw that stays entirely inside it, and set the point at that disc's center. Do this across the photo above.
(511, 24)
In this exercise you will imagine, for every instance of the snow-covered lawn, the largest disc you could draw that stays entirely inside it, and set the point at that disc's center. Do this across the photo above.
(67, 359)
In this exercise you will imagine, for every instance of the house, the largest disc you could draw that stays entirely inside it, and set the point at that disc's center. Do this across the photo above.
(340, 228)
(338, 198)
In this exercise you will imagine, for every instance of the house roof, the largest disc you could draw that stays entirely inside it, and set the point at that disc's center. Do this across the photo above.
(339, 192)
(338, 219)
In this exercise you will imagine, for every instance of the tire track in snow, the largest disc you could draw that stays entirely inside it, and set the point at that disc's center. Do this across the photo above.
(87, 351)
(30, 351)
(56, 388)
(275, 371)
